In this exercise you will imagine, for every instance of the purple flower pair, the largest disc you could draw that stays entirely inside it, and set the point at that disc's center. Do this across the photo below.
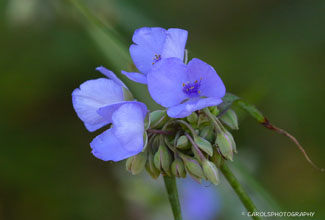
(182, 88)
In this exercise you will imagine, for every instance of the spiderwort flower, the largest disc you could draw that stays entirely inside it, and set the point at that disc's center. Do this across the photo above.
(102, 101)
(183, 88)
(152, 45)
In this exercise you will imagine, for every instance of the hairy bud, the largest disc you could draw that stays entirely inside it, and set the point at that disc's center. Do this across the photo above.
(226, 144)
(230, 119)
(163, 159)
(151, 168)
(178, 168)
(183, 143)
(211, 172)
(193, 168)
(136, 164)
(207, 133)
(204, 145)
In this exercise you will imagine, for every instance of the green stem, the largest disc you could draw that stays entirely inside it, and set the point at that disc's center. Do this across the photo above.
(171, 187)
(244, 198)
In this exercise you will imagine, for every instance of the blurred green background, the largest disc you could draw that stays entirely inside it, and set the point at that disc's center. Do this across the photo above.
(269, 52)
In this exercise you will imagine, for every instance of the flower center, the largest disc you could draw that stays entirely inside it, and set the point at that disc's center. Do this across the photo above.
(156, 58)
(192, 89)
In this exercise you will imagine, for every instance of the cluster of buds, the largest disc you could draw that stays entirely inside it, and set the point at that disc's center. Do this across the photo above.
(195, 145)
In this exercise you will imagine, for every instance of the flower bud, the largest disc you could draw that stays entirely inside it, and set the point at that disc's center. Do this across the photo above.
(230, 119)
(136, 164)
(158, 118)
(207, 133)
(216, 157)
(226, 144)
(163, 159)
(178, 168)
(193, 168)
(151, 168)
(204, 145)
(234, 147)
(183, 143)
(211, 172)
(192, 118)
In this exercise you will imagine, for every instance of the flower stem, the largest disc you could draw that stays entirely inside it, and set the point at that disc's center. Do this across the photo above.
(171, 187)
(244, 198)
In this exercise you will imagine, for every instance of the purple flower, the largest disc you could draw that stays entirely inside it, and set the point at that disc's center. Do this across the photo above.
(125, 138)
(198, 201)
(102, 101)
(183, 88)
(152, 45)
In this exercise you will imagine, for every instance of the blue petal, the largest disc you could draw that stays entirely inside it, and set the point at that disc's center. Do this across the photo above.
(108, 111)
(185, 109)
(128, 125)
(211, 84)
(165, 82)
(109, 74)
(175, 43)
(107, 147)
(136, 77)
(92, 95)
(148, 43)
(152, 37)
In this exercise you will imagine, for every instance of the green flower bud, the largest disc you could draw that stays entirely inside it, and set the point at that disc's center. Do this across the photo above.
(204, 145)
(163, 159)
(193, 168)
(178, 168)
(211, 172)
(158, 118)
(226, 144)
(151, 168)
(234, 147)
(192, 118)
(183, 143)
(136, 164)
(207, 133)
(216, 157)
(230, 119)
